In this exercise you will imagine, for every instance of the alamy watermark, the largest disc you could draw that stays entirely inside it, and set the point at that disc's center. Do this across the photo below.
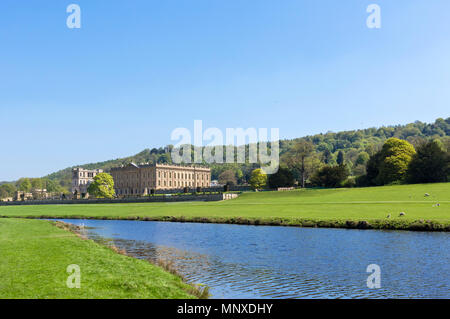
(374, 19)
(374, 279)
(237, 145)
(74, 278)
(73, 21)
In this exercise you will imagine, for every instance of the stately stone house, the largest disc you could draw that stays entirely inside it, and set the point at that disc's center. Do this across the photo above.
(141, 179)
(81, 178)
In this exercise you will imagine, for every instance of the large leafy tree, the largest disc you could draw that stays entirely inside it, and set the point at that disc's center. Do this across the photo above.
(52, 186)
(282, 178)
(431, 164)
(327, 157)
(36, 183)
(340, 158)
(362, 158)
(330, 176)
(7, 190)
(24, 185)
(258, 179)
(228, 177)
(102, 186)
(297, 157)
(390, 164)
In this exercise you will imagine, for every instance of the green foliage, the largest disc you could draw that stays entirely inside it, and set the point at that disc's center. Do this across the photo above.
(52, 186)
(102, 186)
(228, 177)
(330, 176)
(7, 190)
(327, 147)
(297, 159)
(24, 185)
(340, 158)
(430, 164)
(362, 159)
(395, 157)
(258, 179)
(390, 164)
(327, 157)
(282, 178)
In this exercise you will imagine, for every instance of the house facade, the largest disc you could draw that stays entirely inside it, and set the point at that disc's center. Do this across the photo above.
(81, 178)
(133, 179)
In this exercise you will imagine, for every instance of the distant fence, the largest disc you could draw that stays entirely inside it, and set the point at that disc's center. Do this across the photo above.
(147, 199)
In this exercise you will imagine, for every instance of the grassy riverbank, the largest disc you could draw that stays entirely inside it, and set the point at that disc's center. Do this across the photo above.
(34, 256)
(350, 208)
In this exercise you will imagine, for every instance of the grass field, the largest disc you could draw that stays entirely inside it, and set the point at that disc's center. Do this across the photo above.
(311, 207)
(34, 256)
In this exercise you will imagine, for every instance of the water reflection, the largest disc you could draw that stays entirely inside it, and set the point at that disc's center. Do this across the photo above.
(278, 262)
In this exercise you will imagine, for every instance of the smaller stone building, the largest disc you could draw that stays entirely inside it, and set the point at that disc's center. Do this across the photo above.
(21, 195)
(81, 178)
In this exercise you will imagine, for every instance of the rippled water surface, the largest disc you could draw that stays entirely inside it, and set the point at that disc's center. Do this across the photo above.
(238, 261)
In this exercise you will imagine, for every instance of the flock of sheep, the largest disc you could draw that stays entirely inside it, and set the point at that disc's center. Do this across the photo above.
(403, 213)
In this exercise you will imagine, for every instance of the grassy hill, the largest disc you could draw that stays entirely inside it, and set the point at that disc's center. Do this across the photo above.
(306, 207)
(35, 256)
(352, 143)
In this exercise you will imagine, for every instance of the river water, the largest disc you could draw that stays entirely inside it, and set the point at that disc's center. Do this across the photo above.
(238, 261)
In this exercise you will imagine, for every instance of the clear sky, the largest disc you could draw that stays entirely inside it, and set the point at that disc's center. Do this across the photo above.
(136, 70)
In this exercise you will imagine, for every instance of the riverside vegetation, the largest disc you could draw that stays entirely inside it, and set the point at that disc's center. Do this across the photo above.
(35, 254)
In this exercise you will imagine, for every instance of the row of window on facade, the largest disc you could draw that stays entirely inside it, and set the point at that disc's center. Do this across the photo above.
(84, 174)
(132, 191)
(180, 184)
(183, 175)
(165, 183)
(203, 177)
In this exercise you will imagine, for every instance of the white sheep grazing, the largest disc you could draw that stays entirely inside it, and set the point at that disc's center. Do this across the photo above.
(426, 194)
(402, 214)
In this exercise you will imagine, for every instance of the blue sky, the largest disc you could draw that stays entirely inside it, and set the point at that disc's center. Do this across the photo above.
(138, 69)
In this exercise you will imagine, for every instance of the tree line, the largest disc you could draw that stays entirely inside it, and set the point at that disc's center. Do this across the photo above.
(29, 185)
(397, 162)
(311, 160)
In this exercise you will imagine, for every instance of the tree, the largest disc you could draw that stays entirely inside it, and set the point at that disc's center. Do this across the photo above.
(296, 158)
(228, 177)
(282, 178)
(7, 190)
(102, 186)
(327, 157)
(395, 157)
(362, 159)
(258, 179)
(24, 185)
(340, 158)
(430, 164)
(36, 183)
(330, 176)
(372, 169)
(52, 186)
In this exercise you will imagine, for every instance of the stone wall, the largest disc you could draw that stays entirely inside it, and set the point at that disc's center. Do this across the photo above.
(204, 189)
(149, 199)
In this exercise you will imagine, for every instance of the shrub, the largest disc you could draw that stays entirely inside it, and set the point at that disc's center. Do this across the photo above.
(330, 176)
(282, 178)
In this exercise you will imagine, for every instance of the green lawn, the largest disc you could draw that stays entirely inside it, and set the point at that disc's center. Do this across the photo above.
(293, 207)
(34, 256)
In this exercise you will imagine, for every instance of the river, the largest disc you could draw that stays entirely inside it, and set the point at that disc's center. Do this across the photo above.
(238, 261)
